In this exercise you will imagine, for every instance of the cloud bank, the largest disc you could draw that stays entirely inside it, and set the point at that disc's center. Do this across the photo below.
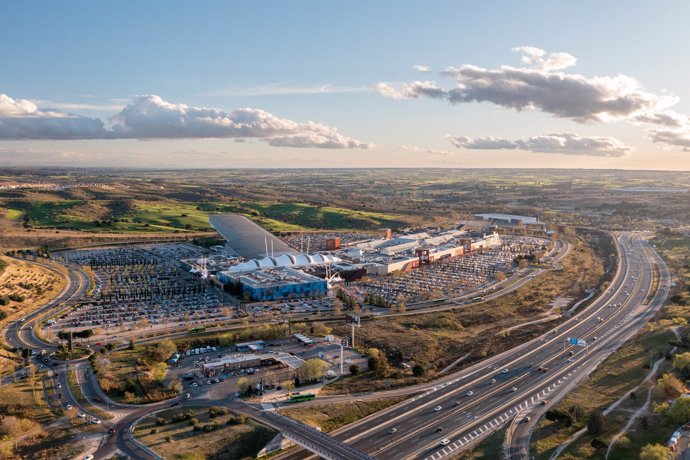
(545, 86)
(564, 143)
(150, 117)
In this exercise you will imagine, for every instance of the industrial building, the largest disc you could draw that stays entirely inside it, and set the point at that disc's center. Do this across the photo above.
(278, 283)
(507, 219)
(235, 362)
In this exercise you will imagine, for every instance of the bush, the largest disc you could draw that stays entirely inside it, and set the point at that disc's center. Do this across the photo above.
(160, 421)
(354, 369)
(153, 431)
(168, 438)
(210, 427)
(217, 411)
(193, 421)
(596, 423)
(196, 427)
(418, 370)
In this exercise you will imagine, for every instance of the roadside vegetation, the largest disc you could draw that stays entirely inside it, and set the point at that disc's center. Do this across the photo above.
(137, 374)
(329, 417)
(202, 433)
(23, 413)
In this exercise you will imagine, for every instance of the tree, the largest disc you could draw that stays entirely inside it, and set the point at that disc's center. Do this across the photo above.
(681, 360)
(500, 276)
(655, 452)
(596, 423)
(354, 369)
(418, 370)
(320, 329)
(312, 369)
(131, 344)
(522, 263)
(337, 307)
(400, 303)
(669, 386)
(163, 350)
(357, 310)
(243, 386)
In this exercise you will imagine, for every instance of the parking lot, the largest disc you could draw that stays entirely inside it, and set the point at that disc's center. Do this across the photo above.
(452, 276)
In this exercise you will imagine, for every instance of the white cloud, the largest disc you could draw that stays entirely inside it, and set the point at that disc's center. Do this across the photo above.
(534, 57)
(416, 149)
(564, 143)
(421, 68)
(150, 117)
(671, 137)
(542, 87)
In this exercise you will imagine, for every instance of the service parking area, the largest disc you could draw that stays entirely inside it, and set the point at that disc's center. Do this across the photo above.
(215, 372)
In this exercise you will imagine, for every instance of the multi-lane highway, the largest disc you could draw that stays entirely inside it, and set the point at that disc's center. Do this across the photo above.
(467, 406)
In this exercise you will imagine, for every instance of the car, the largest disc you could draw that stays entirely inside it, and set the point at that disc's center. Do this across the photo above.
(514, 389)
(175, 404)
(216, 380)
(456, 404)
(470, 393)
(95, 421)
(594, 338)
(686, 426)
(571, 353)
(543, 403)
(505, 371)
(186, 396)
(439, 429)
(437, 408)
(97, 399)
(81, 415)
(445, 442)
(208, 382)
(393, 430)
(59, 385)
(68, 406)
(111, 431)
(492, 381)
(88, 457)
(194, 384)
(526, 419)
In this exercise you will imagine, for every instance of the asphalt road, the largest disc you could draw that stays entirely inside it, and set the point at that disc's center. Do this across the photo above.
(466, 418)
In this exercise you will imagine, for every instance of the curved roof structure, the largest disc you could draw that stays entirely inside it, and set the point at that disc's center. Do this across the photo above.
(246, 238)
(285, 260)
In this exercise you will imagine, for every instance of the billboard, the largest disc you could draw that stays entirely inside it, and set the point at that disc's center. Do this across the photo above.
(577, 342)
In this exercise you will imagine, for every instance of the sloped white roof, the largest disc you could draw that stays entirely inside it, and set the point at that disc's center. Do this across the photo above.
(302, 260)
(244, 266)
(284, 261)
(266, 262)
(316, 258)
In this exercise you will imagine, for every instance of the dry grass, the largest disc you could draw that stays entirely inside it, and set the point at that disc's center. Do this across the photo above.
(179, 440)
(36, 284)
(330, 417)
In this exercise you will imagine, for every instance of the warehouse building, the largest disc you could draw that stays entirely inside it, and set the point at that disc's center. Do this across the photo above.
(280, 283)
(236, 362)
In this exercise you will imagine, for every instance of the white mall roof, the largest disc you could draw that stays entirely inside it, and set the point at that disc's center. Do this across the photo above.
(285, 260)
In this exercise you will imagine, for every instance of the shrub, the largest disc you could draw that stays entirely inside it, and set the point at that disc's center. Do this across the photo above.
(210, 427)
(193, 421)
(160, 421)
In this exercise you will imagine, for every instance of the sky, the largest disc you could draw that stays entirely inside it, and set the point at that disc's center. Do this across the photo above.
(309, 84)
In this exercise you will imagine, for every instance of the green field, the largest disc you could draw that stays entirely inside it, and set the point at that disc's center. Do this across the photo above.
(166, 216)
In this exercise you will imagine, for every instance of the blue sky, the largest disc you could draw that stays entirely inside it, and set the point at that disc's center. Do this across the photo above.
(346, 67)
